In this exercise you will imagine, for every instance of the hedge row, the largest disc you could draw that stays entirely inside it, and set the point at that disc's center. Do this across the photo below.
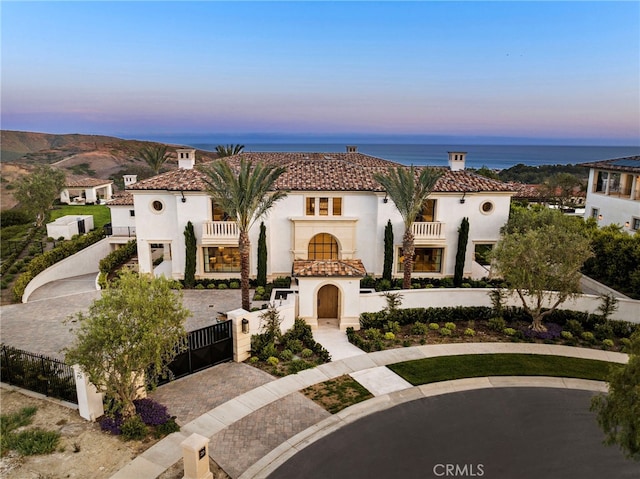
(381, 284)
(42, 262)
(118, 257)
(455, 314)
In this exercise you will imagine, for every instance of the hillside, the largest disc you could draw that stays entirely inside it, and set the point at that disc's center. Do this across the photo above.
(84, 155)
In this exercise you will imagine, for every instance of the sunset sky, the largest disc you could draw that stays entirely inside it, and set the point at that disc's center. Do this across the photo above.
(539, 70)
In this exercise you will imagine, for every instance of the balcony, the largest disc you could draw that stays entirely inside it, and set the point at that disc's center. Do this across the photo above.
(430, 230)
(120, 231)
(220, 232)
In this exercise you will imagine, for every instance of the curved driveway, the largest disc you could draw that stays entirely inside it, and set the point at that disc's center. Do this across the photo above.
(500, 433)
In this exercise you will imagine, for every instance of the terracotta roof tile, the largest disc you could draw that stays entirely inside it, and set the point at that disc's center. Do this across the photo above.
(72, 181)
(630, 164)
(329, 268)
(121, 199)
(322, 172)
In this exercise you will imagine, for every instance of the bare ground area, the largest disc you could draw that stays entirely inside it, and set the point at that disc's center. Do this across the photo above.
(98, 455)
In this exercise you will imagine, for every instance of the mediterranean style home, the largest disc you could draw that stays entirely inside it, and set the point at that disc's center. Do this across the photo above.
(331, 223)
(613, 192)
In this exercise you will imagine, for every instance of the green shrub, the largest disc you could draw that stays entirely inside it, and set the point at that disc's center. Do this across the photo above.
(588, 336)
(603, 331)
(282, 282)
(306, 353)
(234, 285)
(286, 355)
(626, 344)
(222, 286)
(167, 428)
(607, 343)
(295, 345)
(434, 326)
(134, 429)
(509, 331)
(389, 335)
(392, 326)
(445, 332)
(298, 365)
(273, 360)
(373, 334)
(574, 327)
(419, 328)
(211, 286)
(384, 285)
(497, 324)
(469, 332)
(254, 359)
(199, 286)
(566, 335)
(450, 326)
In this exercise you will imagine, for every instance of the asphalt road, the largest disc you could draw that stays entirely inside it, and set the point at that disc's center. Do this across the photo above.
(509, 433)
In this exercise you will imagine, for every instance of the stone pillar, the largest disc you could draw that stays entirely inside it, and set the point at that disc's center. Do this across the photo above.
(90, 403)
(241, 341)
(195, 454)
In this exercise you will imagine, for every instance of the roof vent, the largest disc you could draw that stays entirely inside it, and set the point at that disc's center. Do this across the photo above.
(130, 179)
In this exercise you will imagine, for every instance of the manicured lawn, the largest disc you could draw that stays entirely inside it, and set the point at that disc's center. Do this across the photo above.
(101, 214)
(424, 371)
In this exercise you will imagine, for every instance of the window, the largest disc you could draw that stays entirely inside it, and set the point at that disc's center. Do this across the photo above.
(324, 206)
(600, 181)
(337, 207)
(482, 253)
(635, 224)
(486, 208)
(428, 213)
(425, 260)
(132, 212)
(221, 259)
(595, 212)
(157, 206)
(311, 206)
(218, 214)
(323, 246)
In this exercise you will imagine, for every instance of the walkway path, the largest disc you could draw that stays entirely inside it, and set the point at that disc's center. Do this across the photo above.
(260, 429)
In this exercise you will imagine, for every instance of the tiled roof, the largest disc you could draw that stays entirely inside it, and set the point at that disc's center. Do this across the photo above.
(629, 164)
(121, 199)
(84, 182)
(321, 172)
(326, 268)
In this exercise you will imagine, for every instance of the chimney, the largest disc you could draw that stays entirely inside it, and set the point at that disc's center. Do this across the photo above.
(456, 160)
(186, 158)
(352, 149)
(129, 179)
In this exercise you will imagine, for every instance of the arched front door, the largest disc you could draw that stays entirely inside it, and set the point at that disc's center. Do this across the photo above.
(328, 301)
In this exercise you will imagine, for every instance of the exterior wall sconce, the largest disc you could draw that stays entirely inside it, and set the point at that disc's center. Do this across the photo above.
(245, 326)
(599, 217)
(627, 224)
(462, 200)
(183, 199)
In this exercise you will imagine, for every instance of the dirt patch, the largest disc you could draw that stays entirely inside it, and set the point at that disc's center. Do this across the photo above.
(98, 455)
(337, 394)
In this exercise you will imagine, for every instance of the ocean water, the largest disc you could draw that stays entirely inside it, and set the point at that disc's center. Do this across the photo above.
(491, 156)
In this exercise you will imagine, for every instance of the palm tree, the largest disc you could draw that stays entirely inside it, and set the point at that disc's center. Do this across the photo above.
(228, 150)
(245, 195)
(408, 189)
(154, 156)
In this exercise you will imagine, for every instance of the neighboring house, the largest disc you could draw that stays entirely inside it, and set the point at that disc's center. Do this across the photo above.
(84, 190)
(335, 211)
(613, 193)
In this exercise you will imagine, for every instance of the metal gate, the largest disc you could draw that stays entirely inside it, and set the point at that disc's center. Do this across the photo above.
(206, 347)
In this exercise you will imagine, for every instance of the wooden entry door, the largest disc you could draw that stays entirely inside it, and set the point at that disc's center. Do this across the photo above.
(328, 301)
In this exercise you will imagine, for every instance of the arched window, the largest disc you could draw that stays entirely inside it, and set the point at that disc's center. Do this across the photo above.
(323, 246)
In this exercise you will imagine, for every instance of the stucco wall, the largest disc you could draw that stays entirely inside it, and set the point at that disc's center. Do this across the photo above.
(84, 262)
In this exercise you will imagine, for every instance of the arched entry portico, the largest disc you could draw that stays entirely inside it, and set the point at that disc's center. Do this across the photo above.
(328, 301)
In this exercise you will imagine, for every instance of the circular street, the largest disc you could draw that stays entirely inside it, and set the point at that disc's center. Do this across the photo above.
(502, 433)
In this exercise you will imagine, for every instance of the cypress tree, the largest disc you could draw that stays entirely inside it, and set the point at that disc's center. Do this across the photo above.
(463, 238)
(190, 257)
(388, 251)
(262, 256)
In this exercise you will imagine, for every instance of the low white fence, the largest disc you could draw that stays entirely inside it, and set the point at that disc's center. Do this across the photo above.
(628, 309)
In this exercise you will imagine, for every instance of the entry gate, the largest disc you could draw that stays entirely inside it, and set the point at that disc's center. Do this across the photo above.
(206, 347)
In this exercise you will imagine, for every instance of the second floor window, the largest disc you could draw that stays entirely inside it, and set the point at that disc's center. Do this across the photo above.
(323, 206)
(428, 213)
(218, 214)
